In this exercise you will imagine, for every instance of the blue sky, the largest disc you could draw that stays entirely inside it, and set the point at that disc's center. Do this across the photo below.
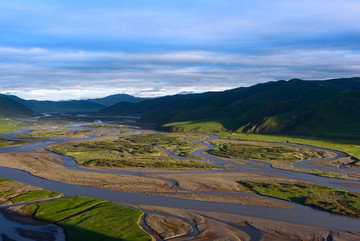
(59, 49)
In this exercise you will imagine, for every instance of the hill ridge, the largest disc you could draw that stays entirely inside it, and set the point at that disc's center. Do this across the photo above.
(300, 107)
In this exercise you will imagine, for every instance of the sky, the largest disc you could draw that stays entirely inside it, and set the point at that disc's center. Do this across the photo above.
(60, 49)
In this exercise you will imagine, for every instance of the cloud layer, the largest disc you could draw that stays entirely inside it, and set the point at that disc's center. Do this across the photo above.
(79, 49)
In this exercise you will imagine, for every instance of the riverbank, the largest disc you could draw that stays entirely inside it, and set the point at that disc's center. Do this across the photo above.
(201, 190)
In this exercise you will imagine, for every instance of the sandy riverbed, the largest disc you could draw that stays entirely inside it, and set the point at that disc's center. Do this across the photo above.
(182, 224)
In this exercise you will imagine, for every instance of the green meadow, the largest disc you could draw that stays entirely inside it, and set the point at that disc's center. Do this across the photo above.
(195, 126)
(178, 144)
(329, 199)
(349, 146)
(263, 152)
(34, 195)
(132, 151)
(91, 219)
(4, 142)
(8, 126)
(106, 126)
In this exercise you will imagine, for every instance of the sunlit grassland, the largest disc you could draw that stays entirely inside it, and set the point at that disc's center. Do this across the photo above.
(277, 155)
(326, 174)
(195, 126)
(351, 147)
(91, 219)
(4, 190)
(67, 133)
(14, 192)
(106, 126)
(34, 195)
(50, 133)
(142, 162)
(5, 180)
(83, 151)
(263, 151)
(329, 199)
(4, 142)
(6, 193)
(55, 210)
(177, 144)
(104, 132)
(123, 153)
(83, 218)
(8, 126)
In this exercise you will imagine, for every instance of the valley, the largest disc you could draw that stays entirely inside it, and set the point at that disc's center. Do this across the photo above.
(179, 120)
(274, 161)
(183, 186)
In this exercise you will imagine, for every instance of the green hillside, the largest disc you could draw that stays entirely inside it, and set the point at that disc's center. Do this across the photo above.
(12, 109)
(323, 108)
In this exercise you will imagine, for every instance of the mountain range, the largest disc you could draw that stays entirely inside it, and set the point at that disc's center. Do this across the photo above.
(301, 107)
(297, 107)
(71, 106)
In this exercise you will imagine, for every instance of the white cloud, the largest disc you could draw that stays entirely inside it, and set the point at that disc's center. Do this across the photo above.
(48, 74)
(72, 49)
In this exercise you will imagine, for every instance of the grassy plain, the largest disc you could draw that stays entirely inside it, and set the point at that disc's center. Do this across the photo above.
(106, 126)
(12, 192)
(34, 195)
(169, 163)
(132, 151)
(5, 180)
(277, 155)
(55, 210)
(263, 151)
(90, 219)
(4, 191)
(177, 144)
(326, 174)
(329, 199)
(52, 133)
(62, 131)
(107, 133)
(195, 126)
(349, 146)
(4, 142)
(8, 126)
(45, 165)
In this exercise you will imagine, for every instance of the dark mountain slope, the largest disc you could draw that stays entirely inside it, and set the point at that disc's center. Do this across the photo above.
(64, 106)
(58, 106)
(114, 99)
(90, 105)
(282, 107)
(12, 109)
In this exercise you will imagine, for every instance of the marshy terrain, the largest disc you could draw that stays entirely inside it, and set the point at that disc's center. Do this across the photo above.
(170, 184)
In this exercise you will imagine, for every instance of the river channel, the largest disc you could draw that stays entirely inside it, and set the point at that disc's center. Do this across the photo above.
(300, 215)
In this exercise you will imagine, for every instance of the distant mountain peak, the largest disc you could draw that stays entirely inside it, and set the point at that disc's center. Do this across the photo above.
(116, 98)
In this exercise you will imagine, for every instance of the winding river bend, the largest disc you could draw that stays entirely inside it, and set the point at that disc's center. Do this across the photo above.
(300, 215)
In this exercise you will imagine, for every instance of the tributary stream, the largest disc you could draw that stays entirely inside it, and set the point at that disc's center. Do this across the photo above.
(300, 215)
